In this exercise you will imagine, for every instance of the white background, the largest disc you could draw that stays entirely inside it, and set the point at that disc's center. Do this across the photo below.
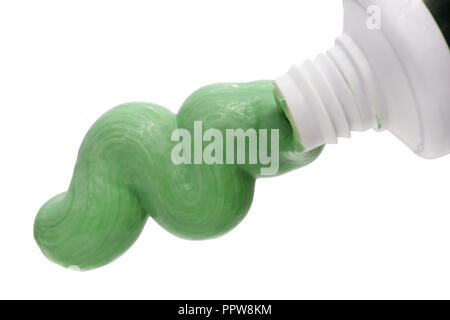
(368, 219)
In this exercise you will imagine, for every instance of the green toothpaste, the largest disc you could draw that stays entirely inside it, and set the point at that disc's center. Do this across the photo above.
(137, 162)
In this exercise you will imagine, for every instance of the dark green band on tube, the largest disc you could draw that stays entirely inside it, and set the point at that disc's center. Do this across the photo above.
(440, 9)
